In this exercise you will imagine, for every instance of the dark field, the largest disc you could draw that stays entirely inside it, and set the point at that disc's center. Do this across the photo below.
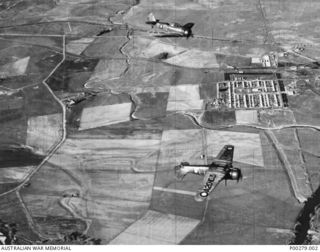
(18, 157)
(72, 75)
(218, 118)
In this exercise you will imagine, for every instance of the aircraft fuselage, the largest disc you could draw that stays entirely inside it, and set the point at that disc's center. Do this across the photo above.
(220, 169)
(171, 28)
(202, 169)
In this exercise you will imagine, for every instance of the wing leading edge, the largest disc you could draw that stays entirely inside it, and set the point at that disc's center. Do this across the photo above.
(210, 181)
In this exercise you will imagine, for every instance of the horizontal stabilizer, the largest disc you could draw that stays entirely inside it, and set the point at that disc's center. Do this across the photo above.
(151, 22)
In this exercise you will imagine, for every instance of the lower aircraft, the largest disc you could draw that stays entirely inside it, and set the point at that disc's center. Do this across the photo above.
(170, 29)
(220, 169)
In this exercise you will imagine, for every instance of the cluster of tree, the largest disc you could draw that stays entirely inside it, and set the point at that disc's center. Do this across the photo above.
(7, 233)
(9, 236)
(75, 238)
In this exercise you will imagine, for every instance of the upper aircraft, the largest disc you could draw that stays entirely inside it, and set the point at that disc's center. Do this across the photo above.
(220, 169)
(170, 29)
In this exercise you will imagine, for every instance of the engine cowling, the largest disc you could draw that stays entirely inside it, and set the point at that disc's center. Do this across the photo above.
(234, 174)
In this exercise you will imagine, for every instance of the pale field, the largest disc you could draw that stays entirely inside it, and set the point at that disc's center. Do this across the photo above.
(186, 145)
(184, 92)
(93, 117)
(44, 132)
(246, 116)
(194, 58)
(184, 97)
(247, 146)
(153, 90)
(15, 68)
(184, 105)
(106, 70)
(167, 4)
(14, 174)
(145, 47)
(78, 46)
(300, 172)
(157, 228)
(291, 147)
(65, 10)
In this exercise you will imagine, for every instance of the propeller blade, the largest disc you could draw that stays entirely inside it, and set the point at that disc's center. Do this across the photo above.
(240, 176)
(190, 34)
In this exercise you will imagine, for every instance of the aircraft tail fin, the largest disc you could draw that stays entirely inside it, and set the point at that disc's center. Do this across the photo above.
(152, 19)
(188, 26)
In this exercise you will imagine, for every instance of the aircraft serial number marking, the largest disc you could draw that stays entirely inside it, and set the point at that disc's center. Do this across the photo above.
(304, 247)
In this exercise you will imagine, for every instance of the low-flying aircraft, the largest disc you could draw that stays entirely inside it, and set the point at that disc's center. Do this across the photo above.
(220, 169)
(170, 29)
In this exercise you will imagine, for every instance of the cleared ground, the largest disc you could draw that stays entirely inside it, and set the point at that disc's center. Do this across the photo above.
(246, 117)
(79, 45)
(94, 117)
(14, 174)
(15, 68)
(158, 229)
(44, 132)
(184, 97)
(288, 143)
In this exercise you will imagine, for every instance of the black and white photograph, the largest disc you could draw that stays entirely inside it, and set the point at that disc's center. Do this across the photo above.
(159, 122)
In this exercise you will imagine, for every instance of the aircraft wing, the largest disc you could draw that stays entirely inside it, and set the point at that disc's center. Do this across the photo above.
(226, 153)
(168, 35)
(210, 181)
(162, 33)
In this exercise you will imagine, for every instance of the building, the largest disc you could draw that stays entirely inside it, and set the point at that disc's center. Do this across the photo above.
(250, 94)
(266, 61)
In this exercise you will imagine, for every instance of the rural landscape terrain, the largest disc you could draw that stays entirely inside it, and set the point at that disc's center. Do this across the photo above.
(96, 110)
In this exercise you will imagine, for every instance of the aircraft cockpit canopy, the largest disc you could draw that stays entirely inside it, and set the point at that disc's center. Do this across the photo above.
(175, 25)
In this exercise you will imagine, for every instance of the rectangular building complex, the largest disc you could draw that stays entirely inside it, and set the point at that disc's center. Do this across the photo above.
(250, 94)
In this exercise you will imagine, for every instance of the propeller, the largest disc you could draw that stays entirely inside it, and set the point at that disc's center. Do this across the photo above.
(188, 28)
(240, 176)
(190, 34)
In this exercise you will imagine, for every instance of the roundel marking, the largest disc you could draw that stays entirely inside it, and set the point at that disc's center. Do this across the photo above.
(203, 194)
